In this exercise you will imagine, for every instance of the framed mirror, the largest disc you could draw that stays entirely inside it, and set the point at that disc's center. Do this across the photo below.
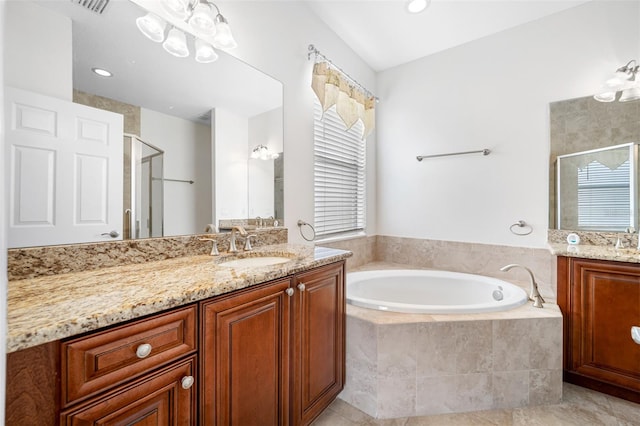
(193, 126)
(594, 151)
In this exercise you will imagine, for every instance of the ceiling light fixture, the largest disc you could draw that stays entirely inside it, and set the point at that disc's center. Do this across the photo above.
(624, 80)
(261, 152)
(417, 6)
(204, 20)
(102, 72)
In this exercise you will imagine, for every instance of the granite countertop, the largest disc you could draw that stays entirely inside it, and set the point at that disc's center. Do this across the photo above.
(49, 308)
(599, 252)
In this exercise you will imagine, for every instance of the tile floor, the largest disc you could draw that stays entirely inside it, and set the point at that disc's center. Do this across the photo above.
(580, 407)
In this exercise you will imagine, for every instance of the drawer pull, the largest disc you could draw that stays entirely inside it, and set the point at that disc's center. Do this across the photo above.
(187, 382)
(635, 334)
(143, 350)
(289, 291)
(301, 287)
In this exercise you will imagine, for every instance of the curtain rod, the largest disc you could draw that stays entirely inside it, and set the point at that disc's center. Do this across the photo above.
(316, 52)
(480, 151)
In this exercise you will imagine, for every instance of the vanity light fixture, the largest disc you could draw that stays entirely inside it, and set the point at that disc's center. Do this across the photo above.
(261, 152)
(205, 23)
(417, 6)
(624, 80)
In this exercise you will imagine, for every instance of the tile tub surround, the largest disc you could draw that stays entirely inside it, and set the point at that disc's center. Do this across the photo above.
(33, 262)
(84, 301)
(403, 365)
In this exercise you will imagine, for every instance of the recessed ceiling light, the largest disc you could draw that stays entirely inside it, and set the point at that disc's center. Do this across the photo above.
(102, 72)
(417, 6)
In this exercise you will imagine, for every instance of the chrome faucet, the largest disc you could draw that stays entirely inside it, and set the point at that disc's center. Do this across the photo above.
(232, 241)
(534, 296)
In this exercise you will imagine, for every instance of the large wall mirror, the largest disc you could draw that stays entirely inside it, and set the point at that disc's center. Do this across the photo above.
(187, 134)
(594, 171)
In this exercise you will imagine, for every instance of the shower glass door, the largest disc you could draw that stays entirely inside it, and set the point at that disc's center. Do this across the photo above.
(143, 189)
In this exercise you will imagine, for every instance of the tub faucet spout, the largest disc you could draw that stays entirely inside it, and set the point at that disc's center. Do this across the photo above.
(534, 295)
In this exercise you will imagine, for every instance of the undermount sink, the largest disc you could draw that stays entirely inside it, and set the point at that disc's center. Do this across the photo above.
(250, 262)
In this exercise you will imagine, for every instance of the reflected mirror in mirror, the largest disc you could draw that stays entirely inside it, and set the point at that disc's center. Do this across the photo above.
(579, 129)
(200, 121)
(597, 189)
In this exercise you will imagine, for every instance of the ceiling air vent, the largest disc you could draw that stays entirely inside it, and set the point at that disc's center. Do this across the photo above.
(96, 6)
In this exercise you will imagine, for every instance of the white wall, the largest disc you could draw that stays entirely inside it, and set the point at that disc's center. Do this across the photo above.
(187, 155)
(3, 227)
(231, 134)
(273, 36)
(490, 93)
(39, 57)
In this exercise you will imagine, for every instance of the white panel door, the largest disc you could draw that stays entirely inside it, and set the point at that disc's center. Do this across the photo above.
(65, 170)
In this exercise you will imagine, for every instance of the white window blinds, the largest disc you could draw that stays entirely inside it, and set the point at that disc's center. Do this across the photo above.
(339, 174)
(604, 196)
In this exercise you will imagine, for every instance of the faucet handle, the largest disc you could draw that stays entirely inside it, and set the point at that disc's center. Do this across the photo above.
(247, 242)
(214, 247)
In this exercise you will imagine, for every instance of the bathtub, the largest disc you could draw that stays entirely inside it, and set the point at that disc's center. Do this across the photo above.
(431, 292)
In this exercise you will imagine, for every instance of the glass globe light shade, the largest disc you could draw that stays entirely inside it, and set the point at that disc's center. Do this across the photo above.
(176, 43)
(631, 93)
(152, 26)
(605, 96)
(223, 39)
(202, 20)
(204, 52)
(177, 8)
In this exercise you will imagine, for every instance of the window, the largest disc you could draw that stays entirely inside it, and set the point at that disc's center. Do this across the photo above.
(339, 174)
(603, 197)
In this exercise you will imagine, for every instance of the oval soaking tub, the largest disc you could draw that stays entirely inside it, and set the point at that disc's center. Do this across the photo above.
(431, 292)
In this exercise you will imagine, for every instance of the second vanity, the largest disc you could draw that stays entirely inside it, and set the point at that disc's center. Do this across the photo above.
(182, 341)
(599, 295)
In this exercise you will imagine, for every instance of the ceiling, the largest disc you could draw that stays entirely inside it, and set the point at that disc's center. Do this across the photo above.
(385, 35)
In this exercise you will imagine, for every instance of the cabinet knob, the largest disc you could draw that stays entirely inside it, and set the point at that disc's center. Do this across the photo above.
(143, 350)
(635, 334)
(301, 287)
(187, 382)
(289, 291)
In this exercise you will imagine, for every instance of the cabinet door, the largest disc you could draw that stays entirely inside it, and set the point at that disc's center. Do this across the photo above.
(245, 357)
(605, 304)
(157, 400)
(318, 341)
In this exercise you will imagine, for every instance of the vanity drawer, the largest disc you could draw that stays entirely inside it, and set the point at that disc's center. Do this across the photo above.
(103, 360)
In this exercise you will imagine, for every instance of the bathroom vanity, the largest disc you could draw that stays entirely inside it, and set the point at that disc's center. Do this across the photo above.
(600, 300)
(250, 345)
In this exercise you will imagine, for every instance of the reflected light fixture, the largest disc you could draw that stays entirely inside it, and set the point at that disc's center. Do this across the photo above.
(205, 52)
(624, 80)
(261, 152)
(176, 43)
(417, 6)
(202, 17)
(102, 72)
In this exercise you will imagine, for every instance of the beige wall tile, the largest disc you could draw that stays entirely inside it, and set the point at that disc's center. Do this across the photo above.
(396, 398)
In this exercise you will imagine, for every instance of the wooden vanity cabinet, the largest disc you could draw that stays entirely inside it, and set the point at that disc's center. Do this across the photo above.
(318, 360)
(162, 398)
(274, 354)
(270, 354)
(600, 302)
